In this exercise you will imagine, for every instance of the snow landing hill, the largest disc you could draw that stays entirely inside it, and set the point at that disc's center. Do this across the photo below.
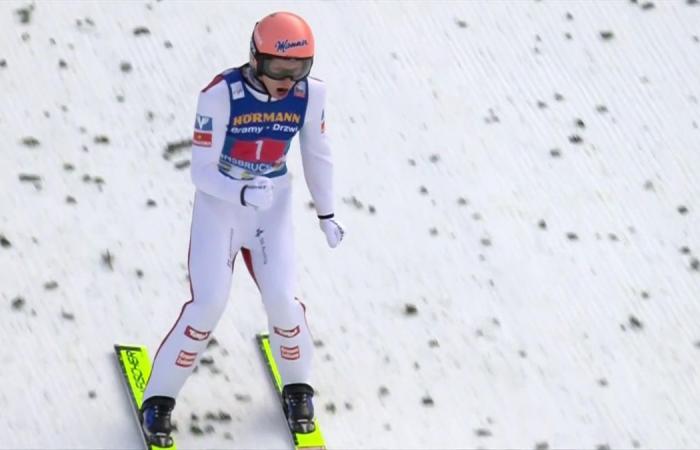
(519, 180)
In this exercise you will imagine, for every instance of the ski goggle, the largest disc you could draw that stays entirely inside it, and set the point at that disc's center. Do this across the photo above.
(284, 68)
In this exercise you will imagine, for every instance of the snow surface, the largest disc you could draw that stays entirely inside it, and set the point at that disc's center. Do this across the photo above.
(555, 283)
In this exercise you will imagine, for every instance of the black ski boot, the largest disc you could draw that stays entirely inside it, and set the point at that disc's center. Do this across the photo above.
(155, 420)
(298, 407)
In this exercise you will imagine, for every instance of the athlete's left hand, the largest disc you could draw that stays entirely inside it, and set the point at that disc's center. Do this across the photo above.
(333, 229)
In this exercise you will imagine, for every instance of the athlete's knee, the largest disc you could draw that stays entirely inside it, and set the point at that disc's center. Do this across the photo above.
(291, 318)
(279, 300)
(206, 311)
(276, 296)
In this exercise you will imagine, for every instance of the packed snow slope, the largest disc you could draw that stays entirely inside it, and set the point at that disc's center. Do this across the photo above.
(519, 181)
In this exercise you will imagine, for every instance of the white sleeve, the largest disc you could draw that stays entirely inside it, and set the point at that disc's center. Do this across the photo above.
(316, 151)
(213, 103)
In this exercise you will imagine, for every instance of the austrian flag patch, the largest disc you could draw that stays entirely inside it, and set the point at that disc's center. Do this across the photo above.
(203, 130)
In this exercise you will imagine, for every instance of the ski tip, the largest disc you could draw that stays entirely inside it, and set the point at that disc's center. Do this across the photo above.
(136, 348)
(261, 338)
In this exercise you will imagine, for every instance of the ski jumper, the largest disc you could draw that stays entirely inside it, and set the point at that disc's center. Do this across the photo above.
(240, 133)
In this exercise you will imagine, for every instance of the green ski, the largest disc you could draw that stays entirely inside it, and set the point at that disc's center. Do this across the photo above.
(307, 441)
(135, 367)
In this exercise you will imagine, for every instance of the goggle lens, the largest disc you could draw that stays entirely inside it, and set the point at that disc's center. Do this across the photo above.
(283, 68)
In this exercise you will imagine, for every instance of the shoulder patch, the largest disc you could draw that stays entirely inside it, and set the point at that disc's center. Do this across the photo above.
(203, 128)
(300, 89)
(237, 90)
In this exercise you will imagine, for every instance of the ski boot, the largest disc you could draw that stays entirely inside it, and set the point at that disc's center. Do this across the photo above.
(298, 407)
(155, 420)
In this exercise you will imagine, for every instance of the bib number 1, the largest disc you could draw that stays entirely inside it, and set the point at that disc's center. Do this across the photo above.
(260, 150)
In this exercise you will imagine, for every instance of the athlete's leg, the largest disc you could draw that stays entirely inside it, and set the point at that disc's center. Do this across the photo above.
(215, 237)
(272, 253)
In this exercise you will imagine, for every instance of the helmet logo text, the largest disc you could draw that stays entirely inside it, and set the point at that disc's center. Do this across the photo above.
(283, 46)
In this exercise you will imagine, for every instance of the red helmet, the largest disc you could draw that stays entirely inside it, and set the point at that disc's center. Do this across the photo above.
(282, 35)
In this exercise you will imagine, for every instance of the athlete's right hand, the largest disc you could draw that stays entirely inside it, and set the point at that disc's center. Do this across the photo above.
(258, 193)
